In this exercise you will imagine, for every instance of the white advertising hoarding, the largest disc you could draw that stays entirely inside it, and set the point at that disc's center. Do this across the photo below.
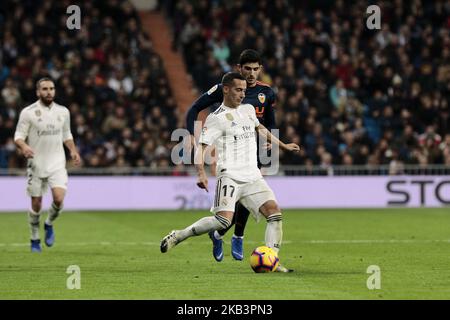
(148, 193)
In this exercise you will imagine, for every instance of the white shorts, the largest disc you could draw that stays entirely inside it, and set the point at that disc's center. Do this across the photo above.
(37, 186)
(251, 195)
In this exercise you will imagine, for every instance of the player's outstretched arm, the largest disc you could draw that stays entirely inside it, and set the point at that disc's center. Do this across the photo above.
(200, 166)
(272, 139)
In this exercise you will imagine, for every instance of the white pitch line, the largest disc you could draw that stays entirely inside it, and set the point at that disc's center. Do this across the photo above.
(373, 241)
(105, 243)
(354, 241)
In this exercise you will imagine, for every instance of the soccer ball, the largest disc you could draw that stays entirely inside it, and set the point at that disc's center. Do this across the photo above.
(264, 259)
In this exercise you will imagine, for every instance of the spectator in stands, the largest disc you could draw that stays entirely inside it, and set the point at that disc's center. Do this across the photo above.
(387, 86)
(106, 73)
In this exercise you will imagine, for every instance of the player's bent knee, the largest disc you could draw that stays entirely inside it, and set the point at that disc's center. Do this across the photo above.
(270, 207)
(58, 195)
(58, 202)
(36, 204)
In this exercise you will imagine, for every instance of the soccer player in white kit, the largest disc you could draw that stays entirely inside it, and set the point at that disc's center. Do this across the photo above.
(232, 128)
(42, 129)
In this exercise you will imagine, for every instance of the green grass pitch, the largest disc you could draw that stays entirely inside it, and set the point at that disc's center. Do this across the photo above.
(119, 258)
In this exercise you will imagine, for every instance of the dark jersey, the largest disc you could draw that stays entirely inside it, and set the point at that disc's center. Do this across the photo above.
(261, 97)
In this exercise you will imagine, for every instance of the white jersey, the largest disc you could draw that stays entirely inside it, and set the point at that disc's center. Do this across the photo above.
(45, 129)
(232, 131)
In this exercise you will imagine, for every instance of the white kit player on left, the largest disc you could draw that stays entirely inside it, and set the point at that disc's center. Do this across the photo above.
(42, 130)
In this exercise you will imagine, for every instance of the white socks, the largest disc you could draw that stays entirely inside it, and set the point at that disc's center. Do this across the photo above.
(34, 217)
(33, 220)
(202, 226)
(53, 213)
(274, 231)
(217, 235)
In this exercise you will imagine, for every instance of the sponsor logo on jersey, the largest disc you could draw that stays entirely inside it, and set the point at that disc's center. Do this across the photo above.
(262, 97)
(259, 111)
(37, 113)
(210, 91)
(233, 124)
(229, 116)
(53, 132)
(245, 135)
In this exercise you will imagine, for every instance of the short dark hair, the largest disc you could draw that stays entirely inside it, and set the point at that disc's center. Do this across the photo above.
(38, 83)
(249, 56)
(228, 78)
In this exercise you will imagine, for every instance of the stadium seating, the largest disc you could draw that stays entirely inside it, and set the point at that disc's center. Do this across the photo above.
(106, 73)
(349, 95)
(331, 70)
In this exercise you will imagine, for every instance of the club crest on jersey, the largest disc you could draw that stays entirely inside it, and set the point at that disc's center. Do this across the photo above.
(262, 97)
(37, 113)
(229, 116)
(259, 111)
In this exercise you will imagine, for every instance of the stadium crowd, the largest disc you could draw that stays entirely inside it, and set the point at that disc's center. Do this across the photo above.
(348, 94)
(106, 73)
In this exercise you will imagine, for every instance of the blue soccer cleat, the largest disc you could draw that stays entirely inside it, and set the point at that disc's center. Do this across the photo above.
(36, 246)
(49, 235)
(236, 248)
(217, 247)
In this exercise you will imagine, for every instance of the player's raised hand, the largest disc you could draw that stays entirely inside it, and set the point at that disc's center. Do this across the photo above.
(75, 158)
(27, 152)
(292, 147)
(202, 182)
